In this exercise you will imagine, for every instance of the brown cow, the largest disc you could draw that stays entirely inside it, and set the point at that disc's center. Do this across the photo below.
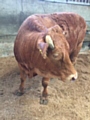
(48, 45)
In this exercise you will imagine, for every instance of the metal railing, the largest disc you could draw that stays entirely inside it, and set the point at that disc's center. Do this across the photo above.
(80, 2)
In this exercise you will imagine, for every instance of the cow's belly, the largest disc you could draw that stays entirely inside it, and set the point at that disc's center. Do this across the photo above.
(45, 74)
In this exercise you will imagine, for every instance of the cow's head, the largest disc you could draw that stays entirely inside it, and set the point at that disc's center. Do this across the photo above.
(55, 49)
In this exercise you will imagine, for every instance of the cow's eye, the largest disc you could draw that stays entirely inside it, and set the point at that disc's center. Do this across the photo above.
(55, 55)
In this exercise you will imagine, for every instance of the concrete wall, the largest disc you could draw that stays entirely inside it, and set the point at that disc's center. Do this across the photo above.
(13, 13)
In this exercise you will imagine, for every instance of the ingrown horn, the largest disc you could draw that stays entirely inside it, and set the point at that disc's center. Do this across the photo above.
(49, 41)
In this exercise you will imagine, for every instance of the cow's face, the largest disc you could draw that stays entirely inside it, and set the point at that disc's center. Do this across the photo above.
(60, 58)
(56, 51)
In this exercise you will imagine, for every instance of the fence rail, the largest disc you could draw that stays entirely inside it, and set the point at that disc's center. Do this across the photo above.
(79, 2)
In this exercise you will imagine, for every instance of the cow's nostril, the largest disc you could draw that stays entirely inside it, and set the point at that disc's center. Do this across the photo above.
(73, 79)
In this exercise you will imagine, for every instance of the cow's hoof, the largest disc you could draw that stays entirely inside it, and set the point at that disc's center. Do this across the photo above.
(18, 93)
(43, 100)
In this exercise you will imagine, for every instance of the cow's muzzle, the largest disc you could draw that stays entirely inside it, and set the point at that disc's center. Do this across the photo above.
(72, 77)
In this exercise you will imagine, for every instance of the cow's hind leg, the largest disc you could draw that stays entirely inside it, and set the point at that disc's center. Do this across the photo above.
(44, 99)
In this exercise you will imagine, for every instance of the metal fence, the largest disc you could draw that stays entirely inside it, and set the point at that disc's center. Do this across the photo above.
(80, 2)
(83, 2)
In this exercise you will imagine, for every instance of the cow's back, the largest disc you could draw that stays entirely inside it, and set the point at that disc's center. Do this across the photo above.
(73, 25)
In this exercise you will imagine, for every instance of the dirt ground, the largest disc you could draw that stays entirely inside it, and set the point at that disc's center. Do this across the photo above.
(67, 101)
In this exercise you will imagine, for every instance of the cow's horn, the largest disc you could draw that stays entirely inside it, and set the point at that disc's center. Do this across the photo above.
(49, 41)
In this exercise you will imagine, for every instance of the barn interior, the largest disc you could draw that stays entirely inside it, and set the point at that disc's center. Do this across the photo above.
(68, 101)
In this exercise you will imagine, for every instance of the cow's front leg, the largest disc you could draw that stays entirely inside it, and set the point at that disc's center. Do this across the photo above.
(44, 99)
(75, 53)
(73, 60)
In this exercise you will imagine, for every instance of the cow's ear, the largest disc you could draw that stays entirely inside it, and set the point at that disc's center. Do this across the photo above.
(43, 47)
(56, 29)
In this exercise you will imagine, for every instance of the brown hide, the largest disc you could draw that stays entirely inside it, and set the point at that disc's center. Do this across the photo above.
(74, 27)
(67, 37)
